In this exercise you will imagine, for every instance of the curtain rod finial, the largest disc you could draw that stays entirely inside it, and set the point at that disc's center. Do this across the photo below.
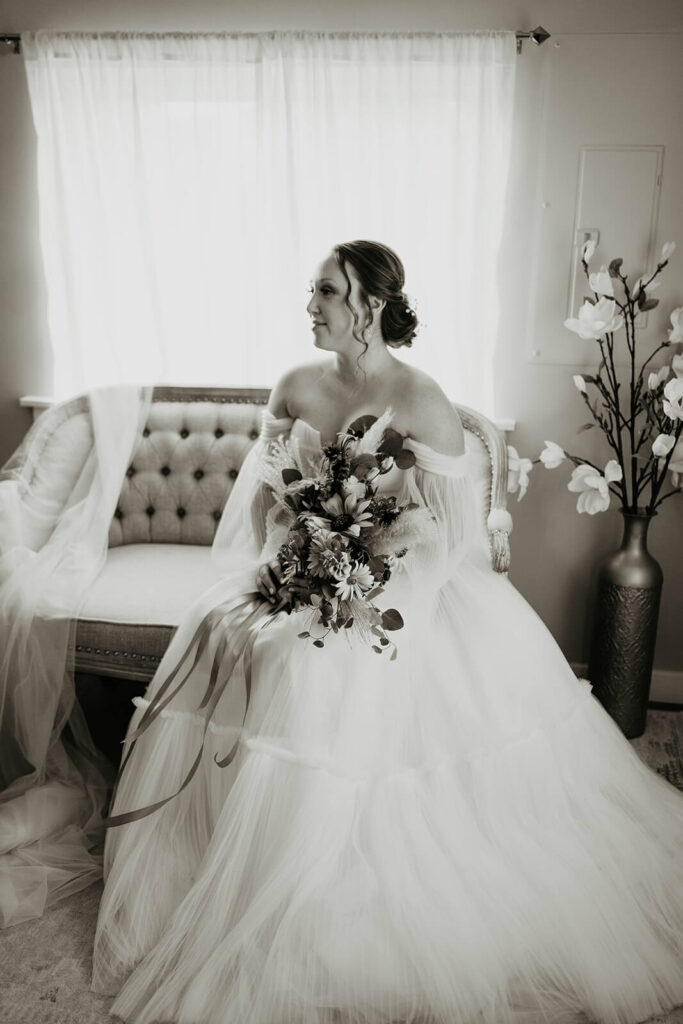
(537, 35)
(10, 43)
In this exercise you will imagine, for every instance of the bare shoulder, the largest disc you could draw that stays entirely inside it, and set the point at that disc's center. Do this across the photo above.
(285, 398)
(431, 415)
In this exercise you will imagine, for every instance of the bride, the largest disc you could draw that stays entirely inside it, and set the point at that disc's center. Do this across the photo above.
(458, 835)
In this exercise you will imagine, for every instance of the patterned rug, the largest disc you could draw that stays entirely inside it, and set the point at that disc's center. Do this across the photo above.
(661, 745)
(45, 964)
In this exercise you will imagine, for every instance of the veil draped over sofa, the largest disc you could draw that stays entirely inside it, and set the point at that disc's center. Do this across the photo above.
(53, 543)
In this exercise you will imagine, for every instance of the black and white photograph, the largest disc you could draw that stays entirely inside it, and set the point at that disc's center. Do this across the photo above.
(341, 507)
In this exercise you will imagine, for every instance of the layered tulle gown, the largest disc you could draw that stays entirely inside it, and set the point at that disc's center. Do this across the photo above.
(458, 836)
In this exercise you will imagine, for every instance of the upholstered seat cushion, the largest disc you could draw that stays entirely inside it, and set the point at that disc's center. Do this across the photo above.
(135, 605)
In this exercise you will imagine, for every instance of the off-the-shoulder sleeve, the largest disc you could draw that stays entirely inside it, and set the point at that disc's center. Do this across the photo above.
(241, 533)
(274, 426)
(442, 483)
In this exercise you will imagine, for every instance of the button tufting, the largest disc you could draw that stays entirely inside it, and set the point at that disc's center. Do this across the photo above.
(233, 474)
(150, 510)
(165, 470)
(218, 432)
(198, 474)
(118, 513)
(180, 512)
(217, 514)
(253, 434)
(146, 432)
(130, 471)
(184, 432)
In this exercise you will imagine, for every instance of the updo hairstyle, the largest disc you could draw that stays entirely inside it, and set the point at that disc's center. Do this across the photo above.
(380, 273)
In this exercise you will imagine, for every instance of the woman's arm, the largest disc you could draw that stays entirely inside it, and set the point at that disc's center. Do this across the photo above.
(432, 418)
(277, 403)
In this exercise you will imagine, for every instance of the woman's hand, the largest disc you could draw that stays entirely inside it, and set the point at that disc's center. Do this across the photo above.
(269, 579)
(269, 585)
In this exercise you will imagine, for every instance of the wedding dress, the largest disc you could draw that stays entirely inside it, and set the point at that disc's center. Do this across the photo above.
(459, 835)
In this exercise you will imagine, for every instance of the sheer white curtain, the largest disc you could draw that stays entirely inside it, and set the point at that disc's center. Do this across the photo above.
(189, 185)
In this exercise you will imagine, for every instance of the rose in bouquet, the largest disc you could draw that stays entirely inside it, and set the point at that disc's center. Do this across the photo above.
(344, 539)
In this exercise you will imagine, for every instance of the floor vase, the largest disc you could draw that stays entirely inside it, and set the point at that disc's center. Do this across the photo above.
(625, 627)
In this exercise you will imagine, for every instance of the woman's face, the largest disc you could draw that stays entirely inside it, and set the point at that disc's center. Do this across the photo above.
(333, 321)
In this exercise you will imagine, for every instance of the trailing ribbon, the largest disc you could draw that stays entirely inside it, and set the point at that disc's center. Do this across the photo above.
(242, 619)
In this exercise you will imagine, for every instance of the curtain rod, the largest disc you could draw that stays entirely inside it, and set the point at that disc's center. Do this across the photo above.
(12, 40)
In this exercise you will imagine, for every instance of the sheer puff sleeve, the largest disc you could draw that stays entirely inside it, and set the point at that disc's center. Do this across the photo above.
(442, 484)
(244, 527)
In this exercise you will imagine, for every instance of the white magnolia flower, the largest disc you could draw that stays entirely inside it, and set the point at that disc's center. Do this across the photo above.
(579, 383)
(676, 330)
(601, 282)
(663, 444)
(673, 398)
(677, 366)
(588, 250)
(552, 455)
(668, 250)
(518, 473)
(593, 486)
(655, 379)
(676, 463)
(613, 472)
(595, 319)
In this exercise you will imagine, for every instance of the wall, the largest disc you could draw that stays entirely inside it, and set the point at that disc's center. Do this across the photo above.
(610, 74)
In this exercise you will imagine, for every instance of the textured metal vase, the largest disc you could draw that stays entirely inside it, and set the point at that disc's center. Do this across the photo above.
(625, 627)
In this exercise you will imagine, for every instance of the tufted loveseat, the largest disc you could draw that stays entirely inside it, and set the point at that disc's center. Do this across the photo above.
(180, 476)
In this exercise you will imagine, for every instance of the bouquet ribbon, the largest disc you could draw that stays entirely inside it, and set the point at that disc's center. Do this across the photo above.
(247, 616)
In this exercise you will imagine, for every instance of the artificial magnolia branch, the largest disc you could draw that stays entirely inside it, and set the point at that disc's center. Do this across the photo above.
(644, 430)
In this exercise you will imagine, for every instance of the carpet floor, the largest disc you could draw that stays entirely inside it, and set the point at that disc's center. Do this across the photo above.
(45, 964)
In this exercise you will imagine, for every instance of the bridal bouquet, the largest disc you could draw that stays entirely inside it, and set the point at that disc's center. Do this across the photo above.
(344, 539)
(644, 428)
(343, 542)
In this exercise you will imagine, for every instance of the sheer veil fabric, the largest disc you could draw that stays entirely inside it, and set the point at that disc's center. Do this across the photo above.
(54, 524)
(461, 834)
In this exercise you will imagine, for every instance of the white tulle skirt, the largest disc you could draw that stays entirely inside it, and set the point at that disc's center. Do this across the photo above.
(460, 836)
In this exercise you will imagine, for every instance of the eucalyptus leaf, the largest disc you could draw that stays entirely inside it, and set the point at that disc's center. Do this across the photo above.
(391, 443)
(290, 475)
(392, 619)
(406, 459)
(318, 643)
(361, 425)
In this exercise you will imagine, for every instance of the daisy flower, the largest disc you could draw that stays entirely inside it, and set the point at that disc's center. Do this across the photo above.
(358, 582)
(347, 515)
